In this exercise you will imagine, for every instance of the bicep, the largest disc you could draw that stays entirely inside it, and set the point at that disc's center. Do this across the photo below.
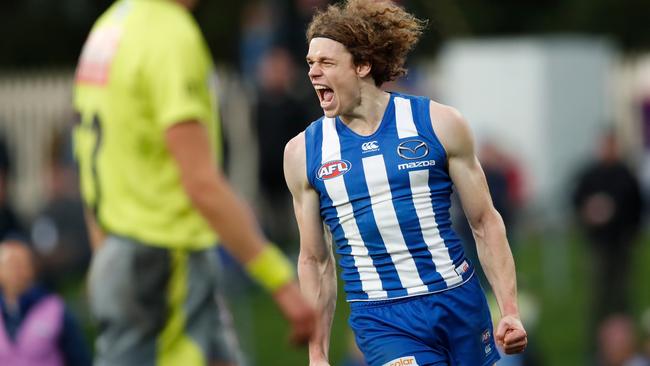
(468, 178)
(310, 224)
(464, 168)
(306, 202)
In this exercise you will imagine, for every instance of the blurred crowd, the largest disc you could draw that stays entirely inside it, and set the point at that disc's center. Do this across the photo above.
(44, 258)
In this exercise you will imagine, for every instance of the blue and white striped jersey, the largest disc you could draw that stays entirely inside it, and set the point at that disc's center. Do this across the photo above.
(386, 198)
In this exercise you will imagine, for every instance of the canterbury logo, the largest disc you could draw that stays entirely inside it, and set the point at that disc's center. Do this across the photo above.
(370, 146)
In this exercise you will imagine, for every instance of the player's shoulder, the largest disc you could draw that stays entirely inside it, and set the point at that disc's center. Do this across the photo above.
(296, 148)
(445, 113)
(450, 126)
(295, 162)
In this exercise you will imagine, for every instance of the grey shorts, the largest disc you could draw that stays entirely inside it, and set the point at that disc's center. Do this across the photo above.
(157, 306)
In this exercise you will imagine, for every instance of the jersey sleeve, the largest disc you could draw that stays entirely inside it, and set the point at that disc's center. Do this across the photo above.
(176, 76)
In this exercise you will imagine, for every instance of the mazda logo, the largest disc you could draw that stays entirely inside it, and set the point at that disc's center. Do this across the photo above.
(413, 149)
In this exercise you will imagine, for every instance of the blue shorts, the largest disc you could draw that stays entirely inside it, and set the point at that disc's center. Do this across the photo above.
(452, 328)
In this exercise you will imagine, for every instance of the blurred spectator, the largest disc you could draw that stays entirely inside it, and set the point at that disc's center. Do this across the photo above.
(608, 204)
(272, 24)
(617, 344)
(279, 115)
(9, 223)
(294, 17)
(503, 177)
(257, 37)
(36, 329)
(644, 171)
(58, 232)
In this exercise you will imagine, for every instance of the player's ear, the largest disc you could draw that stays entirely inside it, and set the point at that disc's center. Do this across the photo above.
(363, 69)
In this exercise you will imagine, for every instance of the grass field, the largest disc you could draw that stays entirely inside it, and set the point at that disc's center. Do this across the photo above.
(552, 270)
(553, 278)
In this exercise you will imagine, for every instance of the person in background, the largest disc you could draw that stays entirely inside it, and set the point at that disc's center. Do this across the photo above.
(378, 170)
(608, 204)
(503, 180)
(256, 39)
(278, 115)
(156, 199)
(58, 232)
(36, 328)
(9, 222)
(617, 343)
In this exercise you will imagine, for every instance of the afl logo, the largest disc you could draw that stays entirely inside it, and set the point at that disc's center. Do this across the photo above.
(333, 169)
(413, 149)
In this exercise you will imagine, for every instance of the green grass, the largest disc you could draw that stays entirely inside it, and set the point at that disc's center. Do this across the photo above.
(640, 277)
(264, 333)
(553, 271)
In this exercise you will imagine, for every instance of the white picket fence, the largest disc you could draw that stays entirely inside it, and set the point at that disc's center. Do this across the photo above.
(36, 106)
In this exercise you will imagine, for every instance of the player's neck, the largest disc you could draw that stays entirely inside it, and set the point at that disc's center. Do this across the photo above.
(366, 117)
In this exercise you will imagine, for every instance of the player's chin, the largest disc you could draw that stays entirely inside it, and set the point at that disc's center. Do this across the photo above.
(329, 113)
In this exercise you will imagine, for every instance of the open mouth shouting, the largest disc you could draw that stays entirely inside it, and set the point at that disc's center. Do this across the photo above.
(325, 95)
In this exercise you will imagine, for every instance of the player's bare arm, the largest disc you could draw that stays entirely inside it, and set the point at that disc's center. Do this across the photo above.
(316, 262)
(486, 223)
(212, 195)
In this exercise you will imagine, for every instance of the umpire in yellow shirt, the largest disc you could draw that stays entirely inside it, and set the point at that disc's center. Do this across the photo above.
(147, 149)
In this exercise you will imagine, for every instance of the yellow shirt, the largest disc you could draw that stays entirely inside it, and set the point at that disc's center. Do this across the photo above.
(144, 67)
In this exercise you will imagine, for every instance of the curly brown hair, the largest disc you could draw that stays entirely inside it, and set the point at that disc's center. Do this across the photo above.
(374, 31)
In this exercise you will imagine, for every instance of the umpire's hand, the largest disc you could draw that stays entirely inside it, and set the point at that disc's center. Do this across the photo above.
(297, 311)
